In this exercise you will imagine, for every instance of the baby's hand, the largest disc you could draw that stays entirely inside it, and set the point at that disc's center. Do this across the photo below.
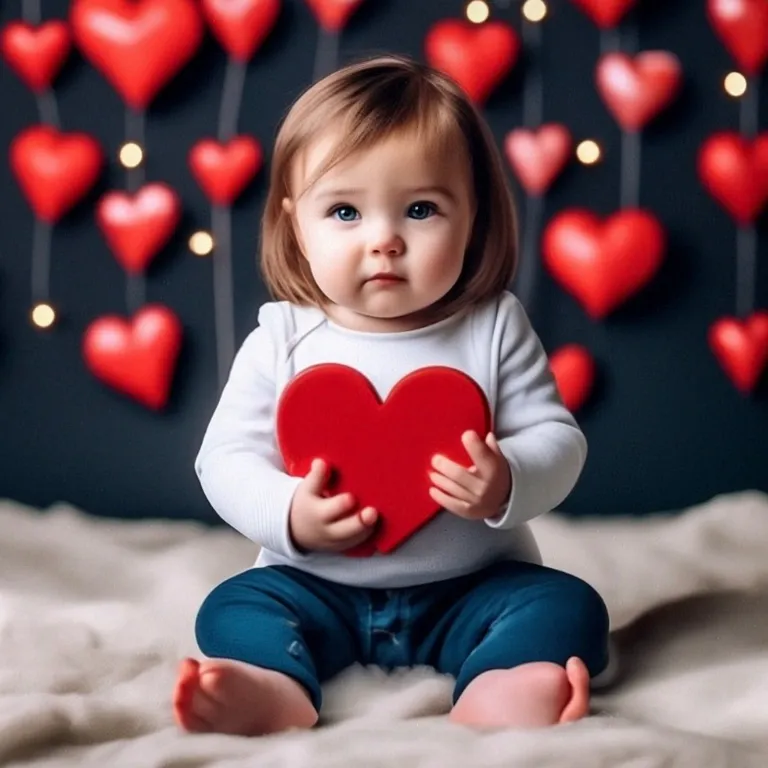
(476, 493)
(320, 523)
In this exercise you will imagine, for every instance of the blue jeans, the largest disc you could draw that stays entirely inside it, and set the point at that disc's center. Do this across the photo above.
(311, 629)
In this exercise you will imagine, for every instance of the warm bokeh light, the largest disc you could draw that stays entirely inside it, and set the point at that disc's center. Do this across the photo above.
(201, 243)
(131, 155)
(735, 84)
(588, 152)
(478, 11)
(43, 315)
(534, 10)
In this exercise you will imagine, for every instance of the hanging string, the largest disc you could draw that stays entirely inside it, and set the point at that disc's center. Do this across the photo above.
(30, 12)
(135, 288)
(231, 98)
(326, 54)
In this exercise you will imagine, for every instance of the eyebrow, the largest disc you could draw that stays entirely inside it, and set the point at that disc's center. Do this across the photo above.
(349, 192)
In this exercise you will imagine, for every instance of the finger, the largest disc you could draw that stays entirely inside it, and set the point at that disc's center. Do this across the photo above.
(479, 452)
(460, 475)
(335, 507)
(451, 488)
(493, 443)
(316, 477)
(458, 507)
(352, 529)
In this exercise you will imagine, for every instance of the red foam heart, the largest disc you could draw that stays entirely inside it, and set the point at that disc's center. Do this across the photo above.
(136, 358)
(36, 54)
(605, 13)
(603, 263)
(241, 26)
(741, 348)
(224, 170)
(477, 57)
(734, 169)
(138, 45)
(538, 156)
(742, 25)
(381, 452)
(574, 370)
(636, 89)
(137, 226)
(333, 15)
(54, 170)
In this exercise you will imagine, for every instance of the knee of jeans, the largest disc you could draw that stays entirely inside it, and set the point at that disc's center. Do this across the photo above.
(212, 619)
(590, 614)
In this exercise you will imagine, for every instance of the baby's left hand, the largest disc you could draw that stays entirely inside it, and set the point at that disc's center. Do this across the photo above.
(476, 493)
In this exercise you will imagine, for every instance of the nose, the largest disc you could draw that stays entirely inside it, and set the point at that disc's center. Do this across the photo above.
(385, 241)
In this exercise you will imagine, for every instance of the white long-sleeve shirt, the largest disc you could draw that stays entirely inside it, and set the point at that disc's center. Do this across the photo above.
(244, 478)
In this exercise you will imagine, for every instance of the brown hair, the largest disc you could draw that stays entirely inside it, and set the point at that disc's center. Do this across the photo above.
(370, 101)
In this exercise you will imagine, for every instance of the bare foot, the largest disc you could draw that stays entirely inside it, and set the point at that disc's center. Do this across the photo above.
(223, 696)
(528, 696)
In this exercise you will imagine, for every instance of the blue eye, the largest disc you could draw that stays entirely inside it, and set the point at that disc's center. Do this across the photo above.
(421, 210)
(345, 213)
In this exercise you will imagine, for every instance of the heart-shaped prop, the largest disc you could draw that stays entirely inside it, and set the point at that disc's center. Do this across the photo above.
(54, 170)
(538, 156)
(478, 58)
(241, 26)
(333, 15)
(381, 452)
(137, 226)
(742, 25)
(36, 54)
(734, 169)
(603, 263)
(136, 357)
(223, 171)
(605, 13)
(574, 370)
(636, 90)
(741, 348)
(138, 45)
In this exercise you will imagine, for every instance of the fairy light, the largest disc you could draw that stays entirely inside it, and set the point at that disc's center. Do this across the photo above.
(201, 243)
(534, 10)
(588, 152)
(131, 155)
(735, 84)
(43, 315)
(478, 11)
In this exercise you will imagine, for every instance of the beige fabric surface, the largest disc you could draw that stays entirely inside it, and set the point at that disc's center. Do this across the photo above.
(94, 615)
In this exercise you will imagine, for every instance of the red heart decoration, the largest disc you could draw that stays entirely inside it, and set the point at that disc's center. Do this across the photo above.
(741, 348)
(36, 54)
(54, 170)
(137, 226)
(477, 57)
(636, 90)
(734, 169)
(605, 13)
(742, 25)
(538, 156)
(136, 358)
(574, 370)
(138, 45)
(224, 170)
(333, 15)
(241, 26)
(381, 452)
(602, 263)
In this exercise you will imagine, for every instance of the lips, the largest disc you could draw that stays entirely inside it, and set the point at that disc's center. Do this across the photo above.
(387, 277)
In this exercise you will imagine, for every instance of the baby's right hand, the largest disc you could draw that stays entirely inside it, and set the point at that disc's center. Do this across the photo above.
(324, 524)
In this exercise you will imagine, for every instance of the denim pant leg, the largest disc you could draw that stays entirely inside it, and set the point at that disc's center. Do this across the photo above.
(510, 614)
(282, 619)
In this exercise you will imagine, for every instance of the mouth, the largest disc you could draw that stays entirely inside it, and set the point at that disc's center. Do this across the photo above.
(386, 277)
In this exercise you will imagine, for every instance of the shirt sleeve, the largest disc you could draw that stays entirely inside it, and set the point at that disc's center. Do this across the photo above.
(537, 434)
(238, 464)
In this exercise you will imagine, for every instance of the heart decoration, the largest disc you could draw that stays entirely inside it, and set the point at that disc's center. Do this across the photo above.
(223, 171)
(54, 170)
(603, 263)
(381, 452)
(741, 348)
(574, 370)
(605, 13)
(538, 156)
(734, 169)
(333, 15)
(241, 26)
(138, 45)
(742, 25)
(36, 54)
(636, 89)
(477, 57)
(136, 358)
(136, 227)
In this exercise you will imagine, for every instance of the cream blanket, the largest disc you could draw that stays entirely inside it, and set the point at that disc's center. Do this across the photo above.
(94, 615)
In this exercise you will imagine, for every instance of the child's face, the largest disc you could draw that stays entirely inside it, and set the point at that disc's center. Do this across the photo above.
(393, 209)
